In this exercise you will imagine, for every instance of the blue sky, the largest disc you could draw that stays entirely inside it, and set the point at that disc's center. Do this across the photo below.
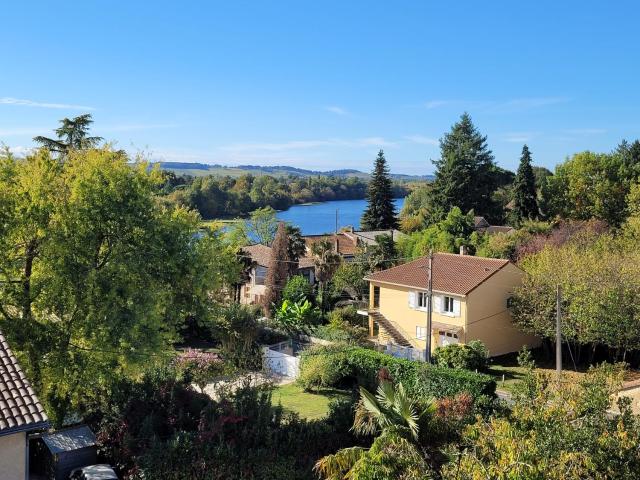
(324, 84)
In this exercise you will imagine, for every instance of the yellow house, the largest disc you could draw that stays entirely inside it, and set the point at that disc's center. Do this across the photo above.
(470, 302)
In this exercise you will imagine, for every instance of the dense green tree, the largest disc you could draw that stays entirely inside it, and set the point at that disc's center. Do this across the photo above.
(524, 189)
(96, 276)
(588, 185)
(416, 209)
(279, 268)
(630, 157)
(601, 293)
(380, 213)
(260, 227)
(554, 430)
(72, 134)
(465, 172)
(448, 235)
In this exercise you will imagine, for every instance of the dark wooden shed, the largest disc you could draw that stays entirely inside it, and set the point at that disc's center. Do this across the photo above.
(61, 451)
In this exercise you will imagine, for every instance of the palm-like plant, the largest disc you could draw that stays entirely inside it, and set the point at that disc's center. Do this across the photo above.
(389, 409)
(396, 417)
(326, 261)
(73, 134)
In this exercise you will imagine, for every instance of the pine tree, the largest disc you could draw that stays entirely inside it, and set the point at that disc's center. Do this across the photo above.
(380, 213)
(278, 271)
(524, 189)
(465, 172)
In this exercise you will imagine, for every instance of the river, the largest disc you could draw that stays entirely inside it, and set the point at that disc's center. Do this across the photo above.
(318, 218)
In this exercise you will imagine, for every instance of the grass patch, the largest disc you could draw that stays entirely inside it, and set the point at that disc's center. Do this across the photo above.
(506, 366)
(308, 405)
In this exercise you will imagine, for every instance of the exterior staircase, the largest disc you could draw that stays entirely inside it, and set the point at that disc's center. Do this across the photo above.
(398, 336)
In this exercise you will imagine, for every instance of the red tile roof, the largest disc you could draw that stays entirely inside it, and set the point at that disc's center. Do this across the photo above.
(456, 274)
(346, 245)
(20, 409)
(261, 254)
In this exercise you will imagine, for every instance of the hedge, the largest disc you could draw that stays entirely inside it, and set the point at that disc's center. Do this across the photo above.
(338, 366)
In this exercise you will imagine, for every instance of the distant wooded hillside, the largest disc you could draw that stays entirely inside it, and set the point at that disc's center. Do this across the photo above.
(203, 169)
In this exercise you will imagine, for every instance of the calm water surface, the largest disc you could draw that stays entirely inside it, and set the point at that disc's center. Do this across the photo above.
(321, 217)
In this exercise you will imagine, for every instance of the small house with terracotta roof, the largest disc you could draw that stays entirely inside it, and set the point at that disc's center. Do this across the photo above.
(252, 291)
(20, 414)
(470, 302)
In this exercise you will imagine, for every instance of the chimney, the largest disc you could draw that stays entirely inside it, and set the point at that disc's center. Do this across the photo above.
(463, 250)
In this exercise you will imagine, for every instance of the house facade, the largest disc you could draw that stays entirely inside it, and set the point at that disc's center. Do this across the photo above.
(470, 302)
(20, 414)
(252, 291)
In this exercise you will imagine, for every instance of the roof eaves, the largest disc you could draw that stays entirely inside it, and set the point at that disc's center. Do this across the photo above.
(43, 425)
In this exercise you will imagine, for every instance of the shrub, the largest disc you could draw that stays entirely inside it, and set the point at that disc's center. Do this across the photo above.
(348, 364)
(471, 356)
(297, 289)
(321, 370)
(200, 367)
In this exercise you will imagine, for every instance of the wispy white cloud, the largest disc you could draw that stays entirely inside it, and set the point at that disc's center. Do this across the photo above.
(422, 140)
(519, 137)
(33, 103)
(521, 104)
(18, 150)
(17, 131)
(585, 131)
(337, 110)
(499, 106)
(436, 103)
(135, 126)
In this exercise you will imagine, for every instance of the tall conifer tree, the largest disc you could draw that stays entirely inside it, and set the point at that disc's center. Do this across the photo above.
(524, 189)
(278, 271)
(380, 213)
(465, 172)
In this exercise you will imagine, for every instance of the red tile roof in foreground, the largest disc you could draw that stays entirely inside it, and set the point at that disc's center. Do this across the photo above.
(20, 409)
(456, 274)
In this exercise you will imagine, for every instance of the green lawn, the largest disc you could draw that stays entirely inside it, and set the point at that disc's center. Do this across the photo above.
(507, 366)
(308, 405)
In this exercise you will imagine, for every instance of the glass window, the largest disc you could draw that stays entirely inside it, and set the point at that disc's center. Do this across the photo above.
(261, 275)
(423, 300)
(421, 333)
(448, 305)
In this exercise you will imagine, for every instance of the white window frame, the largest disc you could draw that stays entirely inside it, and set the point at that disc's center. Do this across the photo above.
(422, 300)
(421, 332)
(448, 302)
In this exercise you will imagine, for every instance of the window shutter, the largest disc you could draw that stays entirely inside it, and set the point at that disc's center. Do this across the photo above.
(437, 303)
(456, 307)
(412, 299)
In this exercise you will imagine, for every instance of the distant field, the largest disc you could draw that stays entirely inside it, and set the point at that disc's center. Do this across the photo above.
(201, 170)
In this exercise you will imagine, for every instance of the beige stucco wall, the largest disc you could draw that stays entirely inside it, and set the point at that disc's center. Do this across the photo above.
(394, 305)
(13, 453)
(489, 319)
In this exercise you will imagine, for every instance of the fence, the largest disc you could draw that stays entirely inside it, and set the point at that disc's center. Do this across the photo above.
(398, 351)
(280, 359)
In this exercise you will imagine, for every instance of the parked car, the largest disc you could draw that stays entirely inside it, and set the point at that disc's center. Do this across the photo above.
(94, 472)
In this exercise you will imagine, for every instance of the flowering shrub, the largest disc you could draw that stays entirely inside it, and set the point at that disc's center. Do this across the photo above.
(200, 367)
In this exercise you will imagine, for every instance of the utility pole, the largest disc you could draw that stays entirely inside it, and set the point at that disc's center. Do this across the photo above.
(558, 331)
(427, 351)
(336, 221)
